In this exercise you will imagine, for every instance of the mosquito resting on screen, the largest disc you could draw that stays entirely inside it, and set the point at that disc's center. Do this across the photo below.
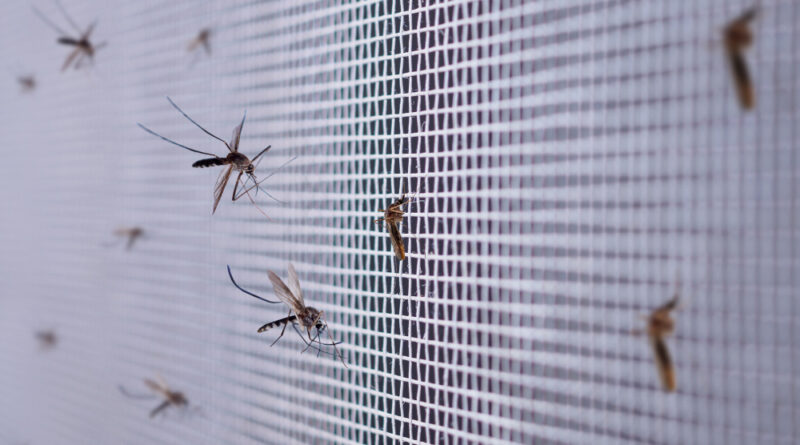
(233, 160)
(659, 325)
(392, 217)
(160, 388)
(47, 339)
(738, 36)
(305, 316)
(83, 47)
(203, 39)
(129, 233)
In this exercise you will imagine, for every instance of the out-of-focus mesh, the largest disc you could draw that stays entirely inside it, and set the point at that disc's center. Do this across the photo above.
(571, 161)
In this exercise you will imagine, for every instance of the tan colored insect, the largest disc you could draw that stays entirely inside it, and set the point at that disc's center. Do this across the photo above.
(392, 217)
(131, 233)
(202, 39)
(659, 325)
(83, 47)
(738, 36)
(47, 339)
(234, 161)
(161, 389)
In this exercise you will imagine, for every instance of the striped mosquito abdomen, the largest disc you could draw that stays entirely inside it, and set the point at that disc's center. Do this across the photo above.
(281, 322)
(210, 162)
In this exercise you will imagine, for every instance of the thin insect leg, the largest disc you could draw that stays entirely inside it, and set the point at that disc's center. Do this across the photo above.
(198, 125)
(309, 344)
(236, 185)
(48, 22)
(130, 395)
(256, 186)
(261, 153)
(335, 348)
(159, 408)
(282, 331)
(277, 169)
(69, 19)
(256, 205)
(246, 291)
(173, 142)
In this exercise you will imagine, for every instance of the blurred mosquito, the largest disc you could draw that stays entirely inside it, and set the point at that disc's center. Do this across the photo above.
(234, 161)
(83, 47)
(305, 316)
(203, 39)
(130, 233)
(47, 339)
(392, 217)
(26, 83)
(738, 36)
(160, 388)
(659, 325)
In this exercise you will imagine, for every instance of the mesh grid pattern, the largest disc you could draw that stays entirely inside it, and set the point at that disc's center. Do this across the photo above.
(570, 162)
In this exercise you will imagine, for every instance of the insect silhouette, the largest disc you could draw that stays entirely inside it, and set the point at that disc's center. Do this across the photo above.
(232, 161)
(160, 388)
(131, 233)
(47, 339)
(27, 83)
(659, 325)
(203, 39)
(306, 317)
(738, 36)
(392, 217)
(83, 47)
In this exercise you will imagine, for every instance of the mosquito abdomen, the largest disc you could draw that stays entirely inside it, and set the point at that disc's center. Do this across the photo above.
(275, 323)
(210, 162)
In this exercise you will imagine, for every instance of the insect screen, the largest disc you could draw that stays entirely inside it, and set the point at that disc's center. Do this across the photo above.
(570, 165)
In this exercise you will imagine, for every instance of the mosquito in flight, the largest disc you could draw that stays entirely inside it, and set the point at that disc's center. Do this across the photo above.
(202, 39)
(83, 47)
(160, 388)
(131, 233)
(233, 160)
(659, 325)
(392, 217)
(305, 316)
(738, 36)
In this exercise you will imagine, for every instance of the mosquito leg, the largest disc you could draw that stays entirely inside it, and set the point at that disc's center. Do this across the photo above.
(282, 331)
(159, 408)
(261, 153)
(236, 185)
(69, 19)
(135, 396)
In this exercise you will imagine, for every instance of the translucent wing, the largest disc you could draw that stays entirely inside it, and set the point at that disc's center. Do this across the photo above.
(219, 189)
(669, 305)
(88, 32)
(397, 240)
(295, 284)
(283, 292)
(156, 387)
(663, 362)
(237, 134)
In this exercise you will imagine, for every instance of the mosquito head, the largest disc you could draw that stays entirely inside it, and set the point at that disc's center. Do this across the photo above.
(250, 170)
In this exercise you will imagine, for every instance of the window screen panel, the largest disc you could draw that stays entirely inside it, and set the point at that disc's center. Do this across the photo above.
(571, 166)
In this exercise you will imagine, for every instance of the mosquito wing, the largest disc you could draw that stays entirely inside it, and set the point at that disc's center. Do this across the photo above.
(237, 134)
(89, 30)
(668, 306)
(663, 361)
(397, 240)
(156, 387)
(295, 284)
(219, 189)
(284, 294)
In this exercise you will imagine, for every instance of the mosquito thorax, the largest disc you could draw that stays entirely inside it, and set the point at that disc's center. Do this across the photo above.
(240, 161)
(309, 317)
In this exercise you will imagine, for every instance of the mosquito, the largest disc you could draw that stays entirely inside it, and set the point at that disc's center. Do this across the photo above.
(306, 317)
(738, 36)
(27, 83)
(160, 388)
(47, 339)
(233, 160)
(659, 325)
(202, 39)
(392, 217)
(83, 47)
(131, 233)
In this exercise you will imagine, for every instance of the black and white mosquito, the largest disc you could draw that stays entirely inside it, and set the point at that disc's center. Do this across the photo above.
(233, 160)
(306, 317)
(160, 389)
(83, 47)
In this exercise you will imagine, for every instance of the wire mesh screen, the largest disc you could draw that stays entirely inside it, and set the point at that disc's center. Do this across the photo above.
(571, 165)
